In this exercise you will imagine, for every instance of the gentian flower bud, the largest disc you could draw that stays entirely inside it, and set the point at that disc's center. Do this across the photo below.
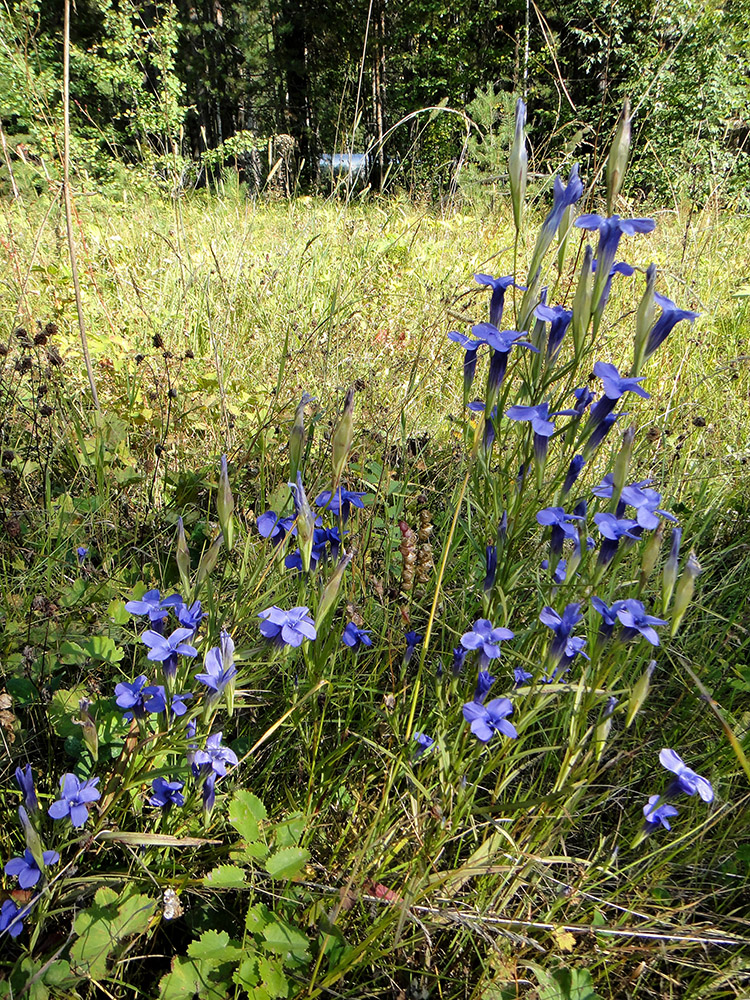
(644, 319)
(25, 781)
(618, 157)
(622, 463)
(669, 575)
(225, 505)
(88, 727)
(331, 590)
(684, 592)
(651, 553)
(459, 655)
(574, 470)
(305, 521)
(208, 561)
(298, 437)
(342, 439)
(640, 693)
(564, 196)
(582, 301)
(518, 166)
(491, 564)
(33, 841)
(183, 557)
(485, 680)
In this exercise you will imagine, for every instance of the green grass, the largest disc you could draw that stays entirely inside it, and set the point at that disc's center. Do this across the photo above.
(489, 855)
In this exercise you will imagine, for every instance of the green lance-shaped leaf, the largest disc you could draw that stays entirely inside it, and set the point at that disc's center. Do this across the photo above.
(582, 302)
(225, 505)
(622, 464)
(651, 553)
(618, 157)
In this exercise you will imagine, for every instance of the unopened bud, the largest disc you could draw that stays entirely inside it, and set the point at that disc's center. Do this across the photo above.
(331, 590)
(183, 558)
(88, 727)
(622, 464)
(305, 522)
(579, 324)
(640, 692)
(531, 299)
(342, 439)
(518, 165)
(618, 157)
(669, 575)
(298, 438)
(208, 561)
(651, 553)
(33, 841)
(225, 505)
(644, 320)
(684, 592)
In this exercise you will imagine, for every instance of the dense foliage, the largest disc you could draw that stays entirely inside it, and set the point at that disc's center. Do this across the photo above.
(177, 79)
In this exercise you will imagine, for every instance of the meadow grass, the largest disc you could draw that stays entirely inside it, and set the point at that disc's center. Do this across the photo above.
(493, 873)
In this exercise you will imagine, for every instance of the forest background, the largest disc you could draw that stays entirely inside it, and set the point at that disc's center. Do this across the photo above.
(185, 87)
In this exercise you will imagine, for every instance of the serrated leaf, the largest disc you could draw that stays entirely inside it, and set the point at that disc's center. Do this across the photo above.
(103, 649)
(285, 940)
(72, 653)
(103, 926)
(246, 812)
(287, 862)
(214, 946)
(62, 708)
(225, 877)
(249, 852)
(183, 981)
(564, 940)
(564, 984)
(247, 974)
(273, 978)
(290, 830)
(257, 917)
(117, 613)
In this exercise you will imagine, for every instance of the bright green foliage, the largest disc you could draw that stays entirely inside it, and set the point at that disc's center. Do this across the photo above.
(104, 927)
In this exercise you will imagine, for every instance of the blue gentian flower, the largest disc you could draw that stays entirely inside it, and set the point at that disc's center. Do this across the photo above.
(633, 616)
(459, 656)
(561, 570)
(151, 604)
(424, 743)
(501, 342)
(25, 781)
(611, 231)
(216, 756)
(619, 268)
(599, 433)
(612, 530)
(166, 793)
(166, 649)
(563, 196)
(27, 870)
(470, 357)
(190, 617)
(615, 386)
(563, 646)
(538, 416)
(561, 526)
(520, 676)
(287, 628)
(413, 639)
(209, 792)
(219, 666)
(81, 553)
(485, 638)
(686, 780)
(608, 616)
(140, 698)
(271, 525)
(341, 502)
(322, 538)
(75, 798)
(490, 568)
(584, 397)
(485, 680)
(486, 720)
(499, 287)
(658, 815)
(177, 705)
(574, 470)
(559, 319)
(670, 317)
(10, 919)
(354, 637)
